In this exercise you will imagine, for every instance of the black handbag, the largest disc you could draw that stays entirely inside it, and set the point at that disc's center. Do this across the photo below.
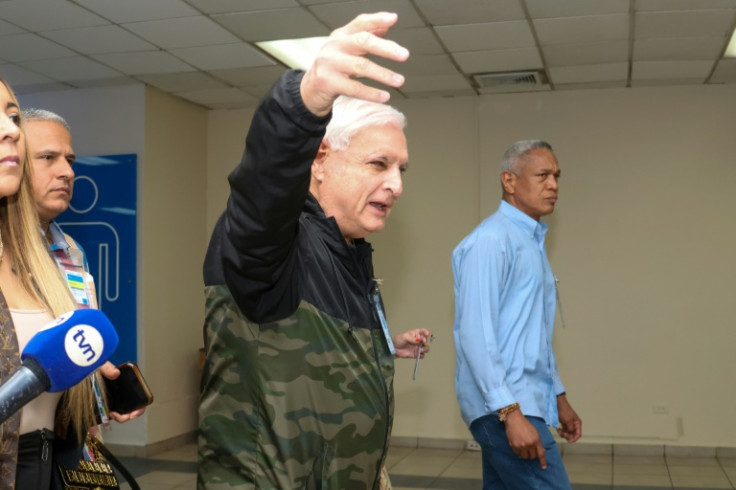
(94, 475)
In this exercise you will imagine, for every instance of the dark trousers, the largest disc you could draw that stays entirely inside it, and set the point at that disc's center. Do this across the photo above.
(35, 460)
(503, 469)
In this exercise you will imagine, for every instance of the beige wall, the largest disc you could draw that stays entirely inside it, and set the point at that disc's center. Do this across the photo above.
(172, 240)
(641, 241)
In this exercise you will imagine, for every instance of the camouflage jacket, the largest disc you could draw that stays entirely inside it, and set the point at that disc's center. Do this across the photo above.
(297, 388)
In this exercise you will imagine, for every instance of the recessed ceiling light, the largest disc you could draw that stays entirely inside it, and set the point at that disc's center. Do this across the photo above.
(731, 49)
(294, 53)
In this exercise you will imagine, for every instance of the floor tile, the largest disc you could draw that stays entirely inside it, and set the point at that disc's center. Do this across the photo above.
(701, 482)
(649, 481)
(591, 478)
(706, 470)
(454, 469)
(632, 460)
(640, 469)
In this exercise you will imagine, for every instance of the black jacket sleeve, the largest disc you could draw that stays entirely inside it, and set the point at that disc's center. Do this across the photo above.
(268, 190)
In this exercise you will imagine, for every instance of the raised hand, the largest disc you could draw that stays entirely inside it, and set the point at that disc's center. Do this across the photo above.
(343, 58)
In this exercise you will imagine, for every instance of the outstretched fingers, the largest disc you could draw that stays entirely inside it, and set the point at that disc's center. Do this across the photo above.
(344, 60)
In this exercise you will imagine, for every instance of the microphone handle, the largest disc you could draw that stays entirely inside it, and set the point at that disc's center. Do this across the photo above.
(25, 384)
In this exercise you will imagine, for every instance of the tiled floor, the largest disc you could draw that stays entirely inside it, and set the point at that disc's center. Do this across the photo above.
(412, 469)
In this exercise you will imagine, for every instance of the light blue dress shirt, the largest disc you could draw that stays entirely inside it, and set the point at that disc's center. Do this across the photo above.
(504, 318)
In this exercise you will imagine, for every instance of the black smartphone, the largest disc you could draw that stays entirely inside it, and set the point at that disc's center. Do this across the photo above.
(129, 391)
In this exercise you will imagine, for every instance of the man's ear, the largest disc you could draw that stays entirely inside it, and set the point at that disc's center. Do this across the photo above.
(508, 181)
(318, 164)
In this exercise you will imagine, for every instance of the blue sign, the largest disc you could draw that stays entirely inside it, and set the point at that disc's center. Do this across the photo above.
(102, 217)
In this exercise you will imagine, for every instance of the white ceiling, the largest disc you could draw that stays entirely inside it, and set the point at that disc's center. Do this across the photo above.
(203, 51)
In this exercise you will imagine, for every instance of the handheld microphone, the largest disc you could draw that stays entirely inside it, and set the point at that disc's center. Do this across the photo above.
(58, 357)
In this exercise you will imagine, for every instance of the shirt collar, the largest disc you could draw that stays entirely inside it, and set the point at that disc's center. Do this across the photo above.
(535, 228)
(58, 241)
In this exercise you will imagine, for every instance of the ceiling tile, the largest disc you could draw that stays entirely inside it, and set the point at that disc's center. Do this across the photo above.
(418, 40)
(338, 14)
(582, 30)
(99, 39)
(435, 83)
(182, 32)
(502, 60)
(41, 15)
(268, 25)
(319, 2)
(223, 56)
(659, 70)
(436, 64)
(590, 86)
(223, 6)
(589, 73)
(104, 82)
(666, 82)
(478, 37)
(257, 91)
(669, 5)
(39, 87)
(442, 12)
(17, 75)
(250, 77)
(217, 96)
(696, 23)
(193, 45)
(687, 48)
(147, 62)
(539, 9)
(6, 28)
(586, 54)
(29, 47)
(181, 82)
(121, 12)
(725, 71)
(68, 69)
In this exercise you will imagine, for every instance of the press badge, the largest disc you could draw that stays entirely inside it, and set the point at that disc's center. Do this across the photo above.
(75, 276)
(382, 318)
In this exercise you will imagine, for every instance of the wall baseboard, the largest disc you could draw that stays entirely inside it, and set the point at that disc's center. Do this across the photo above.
(149, 450)
(587, 448)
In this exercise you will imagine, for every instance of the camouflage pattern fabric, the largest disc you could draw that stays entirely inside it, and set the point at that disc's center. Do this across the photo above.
(302, 403)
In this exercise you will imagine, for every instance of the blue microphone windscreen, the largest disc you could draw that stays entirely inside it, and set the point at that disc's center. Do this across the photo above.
(72, 346)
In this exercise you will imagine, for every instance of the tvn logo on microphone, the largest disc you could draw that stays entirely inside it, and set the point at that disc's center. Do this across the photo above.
(83, 343)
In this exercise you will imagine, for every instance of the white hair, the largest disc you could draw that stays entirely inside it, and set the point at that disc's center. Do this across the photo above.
(32, 114)
(350, 115)
(514, 156)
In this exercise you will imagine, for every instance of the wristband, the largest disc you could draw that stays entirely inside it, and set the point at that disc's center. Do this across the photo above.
(505, 411)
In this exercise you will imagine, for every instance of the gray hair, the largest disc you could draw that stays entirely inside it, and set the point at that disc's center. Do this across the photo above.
(514, 156)
(350, 115)
(32, 114)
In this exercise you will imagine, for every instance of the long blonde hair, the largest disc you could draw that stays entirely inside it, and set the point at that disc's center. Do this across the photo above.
(40, 278)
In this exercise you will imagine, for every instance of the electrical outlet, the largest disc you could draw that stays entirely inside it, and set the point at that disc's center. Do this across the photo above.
(660, 409)
(472, 446)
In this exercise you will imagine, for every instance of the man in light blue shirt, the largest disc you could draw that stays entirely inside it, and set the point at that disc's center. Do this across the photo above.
(506, 375)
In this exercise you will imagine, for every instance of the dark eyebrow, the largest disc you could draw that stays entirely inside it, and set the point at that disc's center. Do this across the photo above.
(11, 105)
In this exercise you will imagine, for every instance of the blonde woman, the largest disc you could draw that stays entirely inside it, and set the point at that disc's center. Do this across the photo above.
(32, 293)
